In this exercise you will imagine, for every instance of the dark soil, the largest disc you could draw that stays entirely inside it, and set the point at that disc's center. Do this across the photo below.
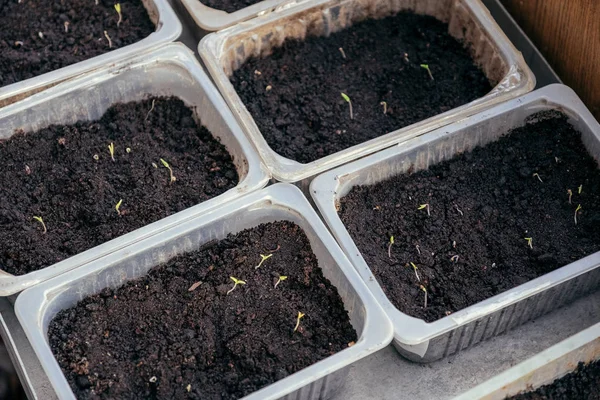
(303, 115)
(501, 203)
(174, 342)
(24, 53)
(53, 173)
(582, 384)
(229, 5)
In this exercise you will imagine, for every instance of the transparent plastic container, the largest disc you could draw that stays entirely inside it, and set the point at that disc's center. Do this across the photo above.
(225, 51)
(541, 369)
(414, 338)
(168, 29)
(36, 307)
(168, 70)
(210, 19)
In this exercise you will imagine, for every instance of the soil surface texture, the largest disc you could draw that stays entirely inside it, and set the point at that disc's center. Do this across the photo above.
(229, 5)
(39, 36)
(188, 335)
(65, 175)
(483, 206)
(294, 95)
(581, 384)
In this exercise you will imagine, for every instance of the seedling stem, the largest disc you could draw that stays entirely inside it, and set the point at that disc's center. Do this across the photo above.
(426, 67)
(41, 221)
(108, 38)
(342, 51)
(576, 211)
(425, 290)
(263, 259)
(300, 316)
(529, 242)
(384, 104)
(390, 247)
(119, 206)
(118, 10)
(280, 279)
(111, 149)
(538, 176)
(580, 189)
(426, 205)
(347, 99)
(570, 192)
(167, 166)
(454, 258)
(416, 273)
(235, 283)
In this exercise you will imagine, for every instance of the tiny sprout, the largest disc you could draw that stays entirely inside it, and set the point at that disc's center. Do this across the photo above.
(96, 157)
(167, 166)
(263, 259)
(118, 10)
(580, 189)
(300, 316)
(384, 104)
(536, 175)
(111, 149)
(109, 40)
(426, 67)
(529, 242)
(454, 258)
(570, 193)
(416, 273)
(128, 150)
(66, 26)
(576, 211)
(41, 221)
(188, 388)
(422, 206)
(269, 87)
(149, 111)
(280, 279)
(347, 100)
(342, 51)
(425, 290)
(154, 165)
(119, 206)
(235, 283)
(153, 379)
(390, 247)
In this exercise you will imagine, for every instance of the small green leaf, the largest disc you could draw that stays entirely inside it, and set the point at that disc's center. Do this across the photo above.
(345, 97)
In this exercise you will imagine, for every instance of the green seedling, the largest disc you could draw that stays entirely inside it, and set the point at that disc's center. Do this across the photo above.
(41, 221)
(529, 242)
(579, 189)
(426, 205)
(425, 290)
(280, 279)
(118, 10)
(111, 150)
(536, 175)
(300, 316)
(570, 193)
(109, 40)
(236, 282)
(416, 273)
(118, 206)
(188, 388)
(390, 247)
(154, 165)
(263, 258)
(96, 157)
(576, 211)
(342, 51)
(384, 104)
(454, 259)
(426, 67)
(128, 150)
(347, 100)
(167, 166)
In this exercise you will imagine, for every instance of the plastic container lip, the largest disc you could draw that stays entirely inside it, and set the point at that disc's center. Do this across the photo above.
(210, 19)
(541, 369)
(37, 305)
(168, 29)
(173, 60)
(242, 40)
(328, 188)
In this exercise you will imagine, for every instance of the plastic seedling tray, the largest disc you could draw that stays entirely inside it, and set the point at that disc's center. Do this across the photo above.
(168, 29)
(425, 342)
(225, 51)
(541, 369)
(36, 306)
(168, 70)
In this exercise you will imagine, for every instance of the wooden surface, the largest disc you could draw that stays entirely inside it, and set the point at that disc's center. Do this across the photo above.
(567, 32)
